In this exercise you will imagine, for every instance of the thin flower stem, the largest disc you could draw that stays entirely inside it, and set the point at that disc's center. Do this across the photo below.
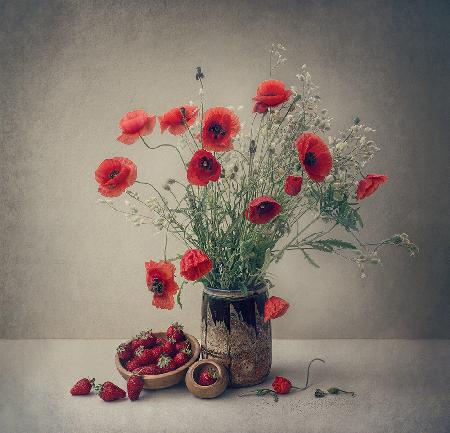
(164, 145)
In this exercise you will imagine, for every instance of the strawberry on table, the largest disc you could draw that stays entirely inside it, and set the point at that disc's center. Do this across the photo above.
(108, 391)
(207, 377)
(134, 386)
(82, 387)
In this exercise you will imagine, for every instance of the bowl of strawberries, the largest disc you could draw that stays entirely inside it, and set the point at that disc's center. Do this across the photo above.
(160, 358)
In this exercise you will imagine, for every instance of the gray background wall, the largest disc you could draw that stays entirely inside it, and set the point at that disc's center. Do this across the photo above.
(72, 268)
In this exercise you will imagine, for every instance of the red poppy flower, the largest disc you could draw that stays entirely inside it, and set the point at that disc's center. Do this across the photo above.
(173, 119)
(161, 282)
(293, 185)
(281, 385)
(274, 307)
(369, 185)
(262, 209)
(195, 264)
(115, 175)
(270, 93)
(314, 155)
(134, 124)
(220, 125)
(203, 168)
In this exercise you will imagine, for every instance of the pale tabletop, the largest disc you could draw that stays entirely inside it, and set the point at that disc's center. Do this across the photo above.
(401, 385)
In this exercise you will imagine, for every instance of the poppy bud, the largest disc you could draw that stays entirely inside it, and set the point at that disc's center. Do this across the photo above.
(319, 393)
(252, 147)
(166, 187)
(171, 181)
(356, 120)
(199, 75)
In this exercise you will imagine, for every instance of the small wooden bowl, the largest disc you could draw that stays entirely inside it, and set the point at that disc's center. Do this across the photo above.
(211, 391)
(169, 379)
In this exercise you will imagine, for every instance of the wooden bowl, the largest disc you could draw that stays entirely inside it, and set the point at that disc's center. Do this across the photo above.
(169, 379)
(210, 391)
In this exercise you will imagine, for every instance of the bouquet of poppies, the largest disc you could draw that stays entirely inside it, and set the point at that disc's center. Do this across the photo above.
(251, 192)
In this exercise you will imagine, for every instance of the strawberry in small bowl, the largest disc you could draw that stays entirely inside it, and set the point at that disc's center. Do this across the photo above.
(160, 366)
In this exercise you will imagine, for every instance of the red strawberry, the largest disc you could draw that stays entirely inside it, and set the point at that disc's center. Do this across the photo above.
(149, 370)
(156, 351)
(125, 352)
(181, 358)
(138, 349)
(207, 377)
(166, 363)
(134, 386)
(132, 364)
(169, 348)
(175, 332)
(160, 341)
(135, 343)
(144, 356)
(147, 339)
(82, 387)
(109, 392)
(182, 345)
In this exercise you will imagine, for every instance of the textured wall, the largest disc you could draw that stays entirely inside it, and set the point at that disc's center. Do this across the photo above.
(72, 268)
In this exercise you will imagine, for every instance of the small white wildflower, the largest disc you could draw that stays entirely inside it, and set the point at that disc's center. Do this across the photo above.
(342, 145)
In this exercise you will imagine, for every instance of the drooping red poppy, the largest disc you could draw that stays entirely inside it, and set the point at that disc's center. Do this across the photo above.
(175, 121)
(134, 124)
(261, 210)
(275, 307)
(203, 168)
(314, 155)
(281, 385)
(369, 185)
(161, 282)
(270, 93)
(220, 125)
(195, 264)
(115, 175)
(293, 185)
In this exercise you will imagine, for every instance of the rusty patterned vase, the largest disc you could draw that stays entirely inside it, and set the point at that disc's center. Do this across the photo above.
(234, 331)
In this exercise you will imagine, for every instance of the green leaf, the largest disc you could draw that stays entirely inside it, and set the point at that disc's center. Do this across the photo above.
(309, 259)
(336, 243)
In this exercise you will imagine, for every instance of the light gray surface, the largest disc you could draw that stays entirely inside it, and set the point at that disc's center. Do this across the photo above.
(402, 387)
(71, 69)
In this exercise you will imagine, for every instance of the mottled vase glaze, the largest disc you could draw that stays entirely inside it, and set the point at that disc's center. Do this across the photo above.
(234, 331)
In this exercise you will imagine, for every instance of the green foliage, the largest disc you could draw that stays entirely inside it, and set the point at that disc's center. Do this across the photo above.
(335, 206)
